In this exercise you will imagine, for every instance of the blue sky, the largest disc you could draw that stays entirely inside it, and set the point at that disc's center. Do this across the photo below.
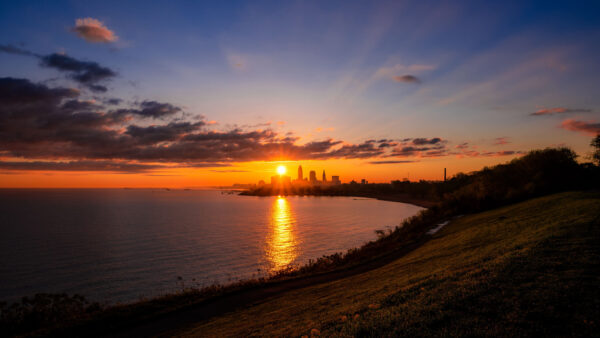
(328, 69)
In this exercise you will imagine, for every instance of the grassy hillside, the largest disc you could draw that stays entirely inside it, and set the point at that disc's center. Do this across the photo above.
(530, 268)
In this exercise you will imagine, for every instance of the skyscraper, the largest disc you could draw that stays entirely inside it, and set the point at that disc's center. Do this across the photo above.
(300, 176)
(324, 177)
(313, 177)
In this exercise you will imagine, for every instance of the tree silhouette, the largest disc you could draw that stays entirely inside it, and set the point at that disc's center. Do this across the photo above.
(596, 145)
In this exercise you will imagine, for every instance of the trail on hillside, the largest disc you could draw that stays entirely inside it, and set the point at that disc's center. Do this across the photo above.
(178, 320)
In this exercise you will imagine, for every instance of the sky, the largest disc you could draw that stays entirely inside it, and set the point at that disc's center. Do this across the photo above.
(190, 94)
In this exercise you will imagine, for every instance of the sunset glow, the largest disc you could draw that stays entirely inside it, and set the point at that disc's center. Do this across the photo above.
(281, 170)
(281, 250)
(384, 94)
(299, 168)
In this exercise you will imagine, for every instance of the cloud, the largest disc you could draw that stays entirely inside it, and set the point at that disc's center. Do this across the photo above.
(93, 30)
(78, 166)
(157, 134)
(389, 72)
(152, 109)
(501, 141)
(58, 129)
(422, 141)
(97, 165)
(420, 147)
(406, 79)
(39, 122)
(86, 73)
(23, 92)
(390, 162)
(473, 153)
(113, 101)
(559, 110)
(589, 128)
(10, 49)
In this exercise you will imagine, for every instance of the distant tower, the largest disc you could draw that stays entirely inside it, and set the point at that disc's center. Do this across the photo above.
(444, 174)
(300, 176)
(324, 177)
(313, 177)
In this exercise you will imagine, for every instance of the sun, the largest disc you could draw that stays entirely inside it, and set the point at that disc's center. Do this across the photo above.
(281, 170)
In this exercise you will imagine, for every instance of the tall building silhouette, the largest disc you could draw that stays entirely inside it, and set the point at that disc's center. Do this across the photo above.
(300, 176)
(313, 177)
(324, 177)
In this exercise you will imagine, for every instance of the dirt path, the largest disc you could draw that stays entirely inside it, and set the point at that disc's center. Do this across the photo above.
(179, 320)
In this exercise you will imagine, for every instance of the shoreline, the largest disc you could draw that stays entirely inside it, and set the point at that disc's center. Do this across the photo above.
(401, 198)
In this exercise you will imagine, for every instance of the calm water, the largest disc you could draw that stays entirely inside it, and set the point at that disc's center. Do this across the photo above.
(118, 245)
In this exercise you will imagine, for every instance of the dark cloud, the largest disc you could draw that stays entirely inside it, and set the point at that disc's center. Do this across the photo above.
(67, 132)
(42, 122)
(157, 134)
(473, 153)
(21, 92)
(590, 128)
(77, 105)
(422, 141)
(363, 150)
(421, 147)
(87, 73)
(113, 101)
(152, 109)
(98, 165)
(390, 162)
(78, 166)
(559, 110)
(407, 79)
(156, 109)
(10, 49)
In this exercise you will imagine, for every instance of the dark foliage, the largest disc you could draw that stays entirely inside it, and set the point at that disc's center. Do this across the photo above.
(43, 310)
(596, 152)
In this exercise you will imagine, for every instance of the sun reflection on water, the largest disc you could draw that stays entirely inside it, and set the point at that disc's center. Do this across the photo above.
(281, 242)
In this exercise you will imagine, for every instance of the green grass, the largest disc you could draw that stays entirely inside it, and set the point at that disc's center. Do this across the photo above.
(522, 270)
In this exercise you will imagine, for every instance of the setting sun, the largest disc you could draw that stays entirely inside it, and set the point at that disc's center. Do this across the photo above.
(281, 170)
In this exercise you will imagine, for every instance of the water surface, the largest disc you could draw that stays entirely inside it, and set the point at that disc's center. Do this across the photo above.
(118, 245)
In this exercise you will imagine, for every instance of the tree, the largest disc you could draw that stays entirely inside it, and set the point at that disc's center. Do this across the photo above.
(596, 145)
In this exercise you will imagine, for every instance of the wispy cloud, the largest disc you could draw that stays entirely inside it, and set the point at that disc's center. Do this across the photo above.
(237, 61)
(391, 71)
(10, 49)
(559, 110)
(390, 162)
(402, 73)
(501, 141)
(407, 79)
(589, 128)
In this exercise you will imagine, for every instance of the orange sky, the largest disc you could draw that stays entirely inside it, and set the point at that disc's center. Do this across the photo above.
(251, 172)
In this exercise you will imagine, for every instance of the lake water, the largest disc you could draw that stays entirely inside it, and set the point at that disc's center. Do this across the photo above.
(118, 245)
